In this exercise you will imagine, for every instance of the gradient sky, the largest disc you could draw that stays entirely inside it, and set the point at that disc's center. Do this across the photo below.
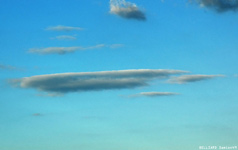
(188, 110)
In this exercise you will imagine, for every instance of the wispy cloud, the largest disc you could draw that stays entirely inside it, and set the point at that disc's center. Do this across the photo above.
(219, 5)
(115, 45)
(66, 50)
(126, 10)
(153, 94)
(192, 78)
(65, 37)
(37, 114)
(63, 28)
(62, 50)
(54, 50)
(8, 67)
(93, 81)
(48, 94)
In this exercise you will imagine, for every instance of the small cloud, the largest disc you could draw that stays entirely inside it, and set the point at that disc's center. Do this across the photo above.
(49, 95)
(126, 10)
(63, 28)
(192, 78)
(219, 5)
(54, 50)
(93, 81)
(115, 45)
(66, 50)
(8, 67)
(37, 114)
(95, 47)
(62, 50)
(154, 94)
(65, 37)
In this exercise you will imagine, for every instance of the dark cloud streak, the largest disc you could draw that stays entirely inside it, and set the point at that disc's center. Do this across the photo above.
(192, 78)
(153, 94)
(220, 5)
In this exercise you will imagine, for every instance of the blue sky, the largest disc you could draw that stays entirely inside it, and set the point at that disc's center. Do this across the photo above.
(93, 75)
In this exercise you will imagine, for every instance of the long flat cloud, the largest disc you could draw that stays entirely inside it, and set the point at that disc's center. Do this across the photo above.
(220, 5)
(154, 94)
(126, 10)
(93, 81)
(192, 78)
(63, 28)
(62, 50)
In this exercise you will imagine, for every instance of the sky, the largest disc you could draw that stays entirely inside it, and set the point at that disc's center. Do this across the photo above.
(118, 75)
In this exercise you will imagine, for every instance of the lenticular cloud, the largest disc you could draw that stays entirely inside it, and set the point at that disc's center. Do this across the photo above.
(126, 10)
(63, 83)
